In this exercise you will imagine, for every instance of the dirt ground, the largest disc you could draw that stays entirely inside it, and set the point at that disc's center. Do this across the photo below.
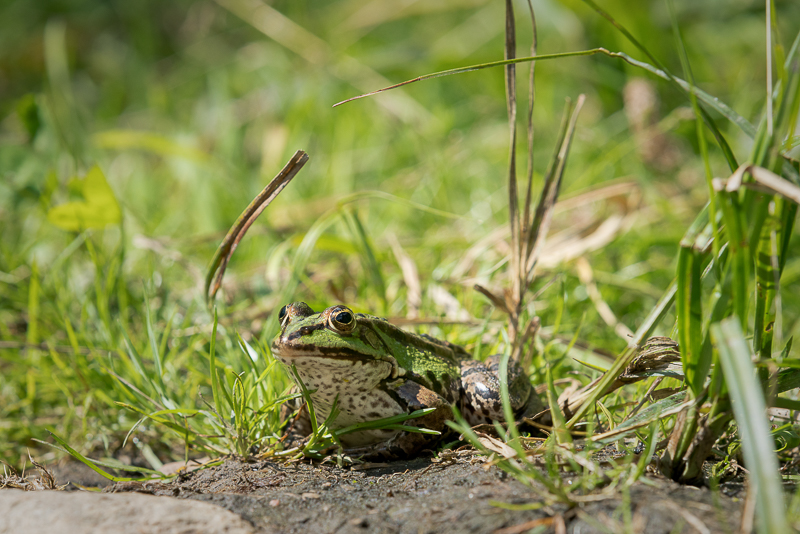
(421, 496)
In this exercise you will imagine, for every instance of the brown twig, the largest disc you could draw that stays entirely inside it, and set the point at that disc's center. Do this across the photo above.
(226, 249)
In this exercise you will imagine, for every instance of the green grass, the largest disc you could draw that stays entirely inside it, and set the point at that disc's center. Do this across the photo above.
(187, 110)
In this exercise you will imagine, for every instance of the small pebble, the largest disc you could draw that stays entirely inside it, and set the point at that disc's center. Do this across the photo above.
(359, 522)
(274, 503)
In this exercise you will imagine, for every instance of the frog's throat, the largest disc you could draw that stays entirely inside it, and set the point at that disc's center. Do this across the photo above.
(291, 354)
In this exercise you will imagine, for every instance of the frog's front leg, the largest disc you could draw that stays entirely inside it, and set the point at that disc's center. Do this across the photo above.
(295, 420)
(404, 444)
(481, 401)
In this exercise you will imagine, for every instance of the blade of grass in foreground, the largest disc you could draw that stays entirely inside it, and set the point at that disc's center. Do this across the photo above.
(750, 410)
(392, 422)
(584, 404)
(671, 405)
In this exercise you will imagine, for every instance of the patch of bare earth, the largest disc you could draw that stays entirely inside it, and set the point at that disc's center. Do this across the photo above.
(422, 496)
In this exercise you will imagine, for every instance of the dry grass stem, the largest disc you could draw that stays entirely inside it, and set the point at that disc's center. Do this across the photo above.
(45, 480)
(228, 246)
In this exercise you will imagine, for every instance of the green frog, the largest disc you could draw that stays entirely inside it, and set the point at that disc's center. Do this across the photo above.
(377, 370)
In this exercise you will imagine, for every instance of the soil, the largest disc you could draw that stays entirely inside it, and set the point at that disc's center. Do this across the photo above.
(423, 495)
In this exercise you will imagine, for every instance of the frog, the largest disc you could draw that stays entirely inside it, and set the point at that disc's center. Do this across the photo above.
(373, 369)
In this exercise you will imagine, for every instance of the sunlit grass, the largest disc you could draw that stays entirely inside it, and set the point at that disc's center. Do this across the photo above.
(188, 110)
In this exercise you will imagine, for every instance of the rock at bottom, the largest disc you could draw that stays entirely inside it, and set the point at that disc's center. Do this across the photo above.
(58, 512)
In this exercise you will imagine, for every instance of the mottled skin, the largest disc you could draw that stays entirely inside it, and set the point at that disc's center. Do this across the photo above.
(378, 370)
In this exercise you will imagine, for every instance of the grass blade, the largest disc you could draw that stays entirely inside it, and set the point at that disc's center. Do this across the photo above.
(510, 69)
(712, 101)
(739, 257)
(689, 317)
(671, 405)
(367, 253)
(531, 101)
(140, 368)
(212, 359)
(391, 423)
(655, 316)
(750, 410)
(216, 269)
(544, 209)
(81, 458)
(154, 345)
(560, 430)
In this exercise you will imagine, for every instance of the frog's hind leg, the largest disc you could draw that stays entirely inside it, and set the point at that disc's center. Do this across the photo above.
(481, 401)
(518, 382)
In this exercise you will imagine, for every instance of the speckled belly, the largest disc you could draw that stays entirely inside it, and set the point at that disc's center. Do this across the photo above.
(358, 386)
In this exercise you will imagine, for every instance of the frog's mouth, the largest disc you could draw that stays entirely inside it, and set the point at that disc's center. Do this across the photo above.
(293, 350)
(290, 354)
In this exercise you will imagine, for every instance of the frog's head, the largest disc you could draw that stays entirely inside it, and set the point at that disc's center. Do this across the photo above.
(337, 338)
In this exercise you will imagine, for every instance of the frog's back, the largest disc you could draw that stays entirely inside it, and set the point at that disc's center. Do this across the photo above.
(396, 338)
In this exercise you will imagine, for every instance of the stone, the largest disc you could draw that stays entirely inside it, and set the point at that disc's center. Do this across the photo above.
(59, 512)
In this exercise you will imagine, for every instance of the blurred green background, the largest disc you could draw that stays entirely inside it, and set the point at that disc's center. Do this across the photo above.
(190, 107)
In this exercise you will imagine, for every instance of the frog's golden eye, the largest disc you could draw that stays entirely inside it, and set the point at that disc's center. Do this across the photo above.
(342, 320)
(284, 316)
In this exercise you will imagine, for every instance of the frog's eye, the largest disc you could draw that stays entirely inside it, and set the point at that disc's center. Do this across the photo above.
(342, 320)
(283, 316)
(344, 317)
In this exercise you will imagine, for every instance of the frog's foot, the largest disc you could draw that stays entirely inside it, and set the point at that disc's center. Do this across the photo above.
(481, 401)
(405, 444)
(535, 411)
